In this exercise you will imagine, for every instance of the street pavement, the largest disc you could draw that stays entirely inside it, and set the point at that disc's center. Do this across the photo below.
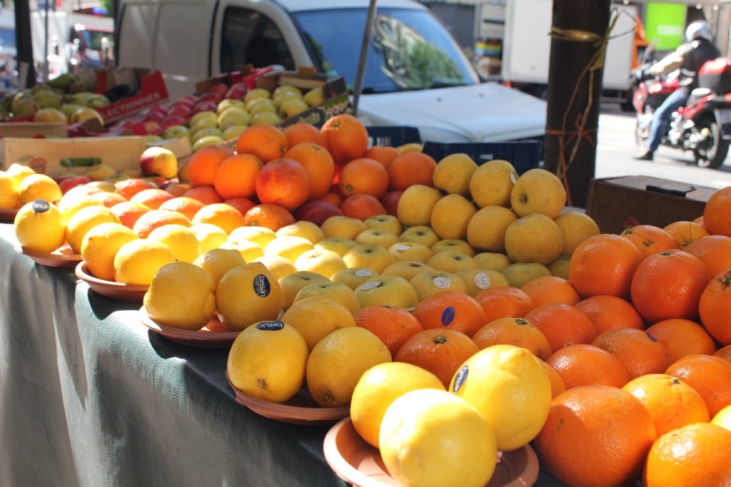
(616, 146)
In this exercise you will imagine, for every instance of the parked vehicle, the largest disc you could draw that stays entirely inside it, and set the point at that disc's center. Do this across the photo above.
(703, 125)
(415, 74)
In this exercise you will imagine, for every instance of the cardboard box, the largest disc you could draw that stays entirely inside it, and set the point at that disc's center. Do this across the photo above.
(151, 86)
(619, 203)
(334, 90)
(28, 130)
(44, 155)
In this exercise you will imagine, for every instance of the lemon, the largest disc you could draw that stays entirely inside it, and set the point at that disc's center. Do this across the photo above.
(432, 438)
(492, 183)
(39, 226)
(259, 235)
(486, 229)
(453, 173)
(100, 245)
(84, 220)
(72, 204)
(137, 261)
(378, 387)
(337, 291)
(338, 361)
(181, 295)
(209, 236)
(247, 294)
(292, 283)
(8, 193)
(278, 265)
(179, 239)
(38, 187)
(249, 250)
(217, 262)
(288, 246)
(268, 361)
(510, 388)
(302, 228)
(316, 317)
(575, 228)
(723, 417)
(19, 172)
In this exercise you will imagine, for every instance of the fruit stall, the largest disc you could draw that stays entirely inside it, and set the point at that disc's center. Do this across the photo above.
(248, 286)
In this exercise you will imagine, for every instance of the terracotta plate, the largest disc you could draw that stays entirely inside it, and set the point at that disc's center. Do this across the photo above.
(301, 409)
(205, 337)
(360, 465)
(8, 215)
(111, 289)
(63, 257)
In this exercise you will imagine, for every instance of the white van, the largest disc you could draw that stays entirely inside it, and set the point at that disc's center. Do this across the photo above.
(415, 75)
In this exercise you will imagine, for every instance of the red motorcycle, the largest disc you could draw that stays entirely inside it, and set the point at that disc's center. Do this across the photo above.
(702, 126)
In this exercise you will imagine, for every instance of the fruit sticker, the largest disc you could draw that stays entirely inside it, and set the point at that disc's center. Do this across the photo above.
(370, 285)
(482, 280)
(442, 282)
(363, 273)
(40, 206)
(447, 316)
(459, 378)
(270, 325)
(262, 287)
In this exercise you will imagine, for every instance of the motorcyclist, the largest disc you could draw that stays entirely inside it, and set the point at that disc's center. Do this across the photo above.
(688, 59)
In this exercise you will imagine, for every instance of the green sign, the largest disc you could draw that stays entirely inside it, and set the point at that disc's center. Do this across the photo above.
(665, 25)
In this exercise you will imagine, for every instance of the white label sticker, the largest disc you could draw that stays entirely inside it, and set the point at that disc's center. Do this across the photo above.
(482, 280)
(370, 285)
(363, 273)
(442, 282)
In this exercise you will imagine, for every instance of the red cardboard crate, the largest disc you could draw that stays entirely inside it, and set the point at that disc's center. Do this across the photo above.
(152, 92)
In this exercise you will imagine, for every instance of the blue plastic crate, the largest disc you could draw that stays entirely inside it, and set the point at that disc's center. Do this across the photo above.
(523, 155)
(393, 135)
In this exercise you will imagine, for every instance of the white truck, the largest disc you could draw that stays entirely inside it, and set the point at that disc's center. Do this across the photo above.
(415, 75)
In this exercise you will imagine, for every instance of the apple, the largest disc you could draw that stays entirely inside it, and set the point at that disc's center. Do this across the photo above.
(219, 89)
(376, 236)
(237, 91)
(321, 261)
(519, 273)
(451, 261)
(172, 121)
(159, 161)
(259, 235)
(316, 211)
(353, 276)
(292, 283)
(204, 106)
(288, 246)
(431, 282)
(337, 244)
(189, 99)
(176, 132)
(410, 251)
(406, 269)
(453, 244)
(385, 222)
(151, 127)
(304, 229)
(538, 191)
(342, 226)
(492, 183)
(477, 280)
(416, 204)
(66, 183)
(180, 111)
(159, 108)
(387, 290)
(369, 255)
(422, 234)
(210, 96)
(496, 261)
(154, 117)
(390, 201)
(100, 172)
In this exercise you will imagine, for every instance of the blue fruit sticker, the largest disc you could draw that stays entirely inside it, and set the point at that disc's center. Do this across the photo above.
(270, 325)
(448, 316)
(40, 206)
(262, 287)
(460, 378)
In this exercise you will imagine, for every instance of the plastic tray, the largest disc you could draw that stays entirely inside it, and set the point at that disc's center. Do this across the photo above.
(393, 135)
(523, 155)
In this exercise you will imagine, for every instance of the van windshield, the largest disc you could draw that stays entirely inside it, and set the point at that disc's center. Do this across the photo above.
(409, 49)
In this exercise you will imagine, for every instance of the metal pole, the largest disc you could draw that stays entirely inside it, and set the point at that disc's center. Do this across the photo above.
(363, 56)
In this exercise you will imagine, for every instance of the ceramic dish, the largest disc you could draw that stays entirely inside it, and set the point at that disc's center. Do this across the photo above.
(206, 337)
(8, 215)
(359, 464)
(63, 257)
(111, 289)
(301, 409)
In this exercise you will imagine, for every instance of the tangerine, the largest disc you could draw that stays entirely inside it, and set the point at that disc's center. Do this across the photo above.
(585, 365)
(639, 351)
(283, 182)
(363, 176)
(392, 324)
(562, 324)
(452, 310)
(267, 142)
(347, 137)
(411, 168)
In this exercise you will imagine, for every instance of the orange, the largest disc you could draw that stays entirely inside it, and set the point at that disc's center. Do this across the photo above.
(639, 352)
(130, 187)
(383, 154)
(363, 176)
(236, 176)
(204, 162)
(551, 289)
(451, 310)
(319, 165)
(562, 325)
(604, 264)
(672, 403)
(332, 198)
(695, 454)
(270, 216)
(304, 132)
(669, 285)
(710, 375)
(557, 385)
(595, 435)
(152, 219)
(393, 325)
(347, 137)
(610, 312)
(685, 232)
(513, 331)
(183, 204)
(152, 198)
(224, 216)
(501, 302)
(409, 169)
(241, 204)
(650, 239)
(700, 221)
(266, 142)
(717, 213)
(586, 365)
(362, 206)
(177, 189)
(441, 352)
(129, 212)
(205, 194)
(713, 250)
(682, 337)
(283, 182)
(724, 353)
(107, 198)
(714, 307)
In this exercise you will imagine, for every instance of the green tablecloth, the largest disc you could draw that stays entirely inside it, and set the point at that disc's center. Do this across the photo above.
(91, 397)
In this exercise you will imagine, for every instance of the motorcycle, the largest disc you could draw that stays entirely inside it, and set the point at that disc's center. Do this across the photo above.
(702, 126)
